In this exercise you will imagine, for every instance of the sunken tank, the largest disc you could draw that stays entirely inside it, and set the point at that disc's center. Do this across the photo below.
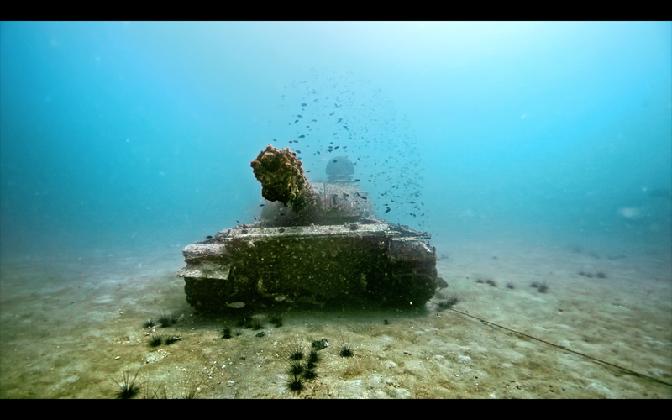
(315, 244)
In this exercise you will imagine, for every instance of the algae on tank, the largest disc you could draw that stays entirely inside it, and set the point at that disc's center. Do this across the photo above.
(316, 244)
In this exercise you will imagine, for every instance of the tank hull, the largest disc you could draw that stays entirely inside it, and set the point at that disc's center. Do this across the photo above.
(360, 264)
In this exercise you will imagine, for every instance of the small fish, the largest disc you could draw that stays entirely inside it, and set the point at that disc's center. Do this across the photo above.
(299, 116)
(334, 160)
(302, 136)
(336, 148)
(298, 151)
(387, 210)
(262, 205)
(304, 104)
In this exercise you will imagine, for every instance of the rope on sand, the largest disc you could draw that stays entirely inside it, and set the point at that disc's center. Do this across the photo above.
(591, 358)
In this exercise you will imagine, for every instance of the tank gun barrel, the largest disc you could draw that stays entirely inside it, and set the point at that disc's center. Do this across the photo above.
(282, 178)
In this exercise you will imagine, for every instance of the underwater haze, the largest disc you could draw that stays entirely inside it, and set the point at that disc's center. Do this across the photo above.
(116, 134)
(135, 138)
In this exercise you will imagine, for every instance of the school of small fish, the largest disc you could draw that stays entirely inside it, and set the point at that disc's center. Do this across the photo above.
(337, 114)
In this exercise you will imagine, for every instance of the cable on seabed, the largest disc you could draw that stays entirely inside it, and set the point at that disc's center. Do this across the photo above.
(591, 358)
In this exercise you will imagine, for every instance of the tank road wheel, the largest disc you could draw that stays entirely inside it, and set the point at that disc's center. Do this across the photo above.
(410, 285)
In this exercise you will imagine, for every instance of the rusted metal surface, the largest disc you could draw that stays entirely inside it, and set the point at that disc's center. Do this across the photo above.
(347, 264)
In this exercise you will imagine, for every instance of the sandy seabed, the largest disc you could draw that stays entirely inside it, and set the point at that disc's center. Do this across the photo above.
(70, 328)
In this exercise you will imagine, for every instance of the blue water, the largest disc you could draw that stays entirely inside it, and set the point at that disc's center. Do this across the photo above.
(132, 134)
